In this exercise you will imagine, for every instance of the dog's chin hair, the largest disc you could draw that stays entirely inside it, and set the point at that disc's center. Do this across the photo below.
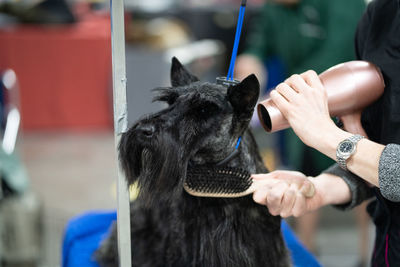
(161, 175)
(145, 159)
(153, 196)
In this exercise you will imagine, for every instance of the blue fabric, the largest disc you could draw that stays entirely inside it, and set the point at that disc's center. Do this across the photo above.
(84, 233)
(82, 237)
(301, 257)
(276, 73)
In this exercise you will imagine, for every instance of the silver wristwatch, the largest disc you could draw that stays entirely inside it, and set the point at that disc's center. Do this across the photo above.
(346, 149)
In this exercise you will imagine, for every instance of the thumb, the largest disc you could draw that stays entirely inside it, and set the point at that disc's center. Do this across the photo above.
(308, 189)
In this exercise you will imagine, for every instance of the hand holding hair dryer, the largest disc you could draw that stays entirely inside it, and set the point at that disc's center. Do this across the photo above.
(351, 86)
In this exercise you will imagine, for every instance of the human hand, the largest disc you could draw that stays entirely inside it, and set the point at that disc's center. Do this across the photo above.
(303, 101)
(286, 193)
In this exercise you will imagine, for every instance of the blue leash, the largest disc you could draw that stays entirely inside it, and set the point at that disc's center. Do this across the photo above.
(231, 155)
(237, 39)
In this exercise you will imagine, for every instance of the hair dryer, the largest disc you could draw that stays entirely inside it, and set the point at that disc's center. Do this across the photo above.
(351, 86)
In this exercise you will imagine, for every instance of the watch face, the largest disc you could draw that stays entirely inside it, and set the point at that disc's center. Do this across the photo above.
(346, 147)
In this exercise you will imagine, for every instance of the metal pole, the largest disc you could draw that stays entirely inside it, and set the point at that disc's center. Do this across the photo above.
(120, 126)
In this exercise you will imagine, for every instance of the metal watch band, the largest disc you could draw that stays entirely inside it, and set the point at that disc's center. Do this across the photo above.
(342, 161)
(355, 138)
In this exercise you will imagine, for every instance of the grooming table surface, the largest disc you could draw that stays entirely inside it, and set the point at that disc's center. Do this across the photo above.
(84, 233)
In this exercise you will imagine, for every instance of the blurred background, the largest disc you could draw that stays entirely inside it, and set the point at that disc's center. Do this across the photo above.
(57, 156)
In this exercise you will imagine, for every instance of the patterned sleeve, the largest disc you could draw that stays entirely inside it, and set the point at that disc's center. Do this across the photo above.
(389, 172)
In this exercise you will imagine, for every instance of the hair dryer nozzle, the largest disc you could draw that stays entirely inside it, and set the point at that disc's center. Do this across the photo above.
(351, 86)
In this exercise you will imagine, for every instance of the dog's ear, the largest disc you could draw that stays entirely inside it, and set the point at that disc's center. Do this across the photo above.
(244, 96)
(180, 76)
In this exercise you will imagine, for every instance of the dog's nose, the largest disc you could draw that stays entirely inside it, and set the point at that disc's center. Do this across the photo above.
(146, 130)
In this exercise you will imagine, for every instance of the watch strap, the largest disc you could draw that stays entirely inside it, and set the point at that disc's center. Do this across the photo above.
(342, 161)
(355, 138)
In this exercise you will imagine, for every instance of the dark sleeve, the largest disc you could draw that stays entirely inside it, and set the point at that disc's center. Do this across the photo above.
(360, 191)
(362, 31)
(389, 172)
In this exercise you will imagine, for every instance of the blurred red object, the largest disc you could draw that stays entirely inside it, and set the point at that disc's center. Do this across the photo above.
(64, 73)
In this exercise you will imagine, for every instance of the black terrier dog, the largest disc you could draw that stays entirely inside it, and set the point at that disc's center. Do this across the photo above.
(169, 227)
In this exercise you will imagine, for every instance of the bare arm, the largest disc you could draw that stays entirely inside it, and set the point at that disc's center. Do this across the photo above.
(303, 101)
(364, 162)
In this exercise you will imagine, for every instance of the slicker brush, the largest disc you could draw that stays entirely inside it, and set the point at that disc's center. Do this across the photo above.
(222, 182)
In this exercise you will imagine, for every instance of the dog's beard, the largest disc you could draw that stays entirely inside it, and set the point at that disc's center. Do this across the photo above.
(158, 166)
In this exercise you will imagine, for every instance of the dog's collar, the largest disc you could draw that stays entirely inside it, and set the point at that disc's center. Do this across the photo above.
(231, 155)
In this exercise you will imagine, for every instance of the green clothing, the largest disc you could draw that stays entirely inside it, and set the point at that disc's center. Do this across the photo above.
(313, 34)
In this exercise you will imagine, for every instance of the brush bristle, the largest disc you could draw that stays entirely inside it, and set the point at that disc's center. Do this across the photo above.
(217, 180)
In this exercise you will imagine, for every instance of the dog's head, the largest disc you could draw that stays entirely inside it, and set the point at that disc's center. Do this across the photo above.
(201, 124)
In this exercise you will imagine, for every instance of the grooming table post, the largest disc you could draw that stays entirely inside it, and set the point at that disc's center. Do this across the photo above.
(120, 126)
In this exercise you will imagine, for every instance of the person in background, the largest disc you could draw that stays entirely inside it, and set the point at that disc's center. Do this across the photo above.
(303, 34)
(374, 168)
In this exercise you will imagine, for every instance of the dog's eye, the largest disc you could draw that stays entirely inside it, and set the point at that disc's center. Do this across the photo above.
(171, 99)
(207, 110)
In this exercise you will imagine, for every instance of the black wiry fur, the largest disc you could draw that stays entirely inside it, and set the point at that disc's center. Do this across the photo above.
(171, 228)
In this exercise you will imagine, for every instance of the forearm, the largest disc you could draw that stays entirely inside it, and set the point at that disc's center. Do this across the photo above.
(359, 189)
(364, 162)
(331, 189)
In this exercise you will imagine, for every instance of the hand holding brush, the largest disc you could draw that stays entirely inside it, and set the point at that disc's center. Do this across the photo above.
(290, 195)
(286, 193)
(226, 182)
